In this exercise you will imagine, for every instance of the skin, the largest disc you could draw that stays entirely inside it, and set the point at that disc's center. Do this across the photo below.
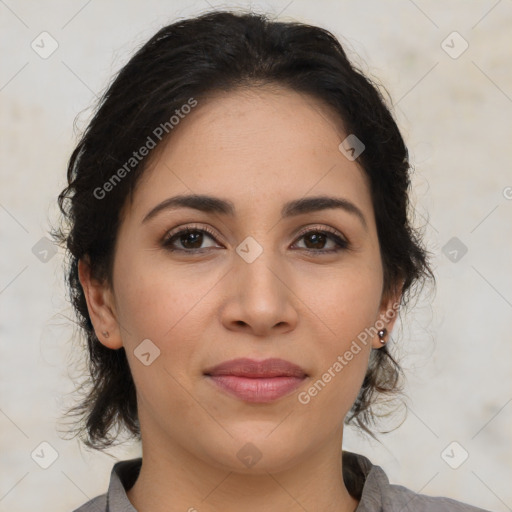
(258, 149)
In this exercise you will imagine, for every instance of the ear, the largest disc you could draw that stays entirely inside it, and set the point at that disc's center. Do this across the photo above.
(388, 313)
(101, 306)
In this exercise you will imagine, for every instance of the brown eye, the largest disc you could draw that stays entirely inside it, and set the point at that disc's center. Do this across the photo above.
(190, 239)
(315, 241)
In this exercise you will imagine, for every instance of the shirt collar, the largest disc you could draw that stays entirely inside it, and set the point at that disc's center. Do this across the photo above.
(123, 476)
(363, 480)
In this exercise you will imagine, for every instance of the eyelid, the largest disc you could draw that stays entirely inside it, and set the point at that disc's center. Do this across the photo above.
(319, 227)
(190, 227)
(300, 233)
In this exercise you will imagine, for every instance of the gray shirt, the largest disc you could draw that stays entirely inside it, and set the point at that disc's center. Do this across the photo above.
(366, 482)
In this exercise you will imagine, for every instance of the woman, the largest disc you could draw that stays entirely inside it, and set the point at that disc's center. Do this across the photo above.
(239, 241)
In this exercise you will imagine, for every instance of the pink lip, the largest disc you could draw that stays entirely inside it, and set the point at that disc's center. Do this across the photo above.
(257, 381)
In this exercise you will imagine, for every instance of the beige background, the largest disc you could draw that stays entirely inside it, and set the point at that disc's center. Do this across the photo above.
(456, 116)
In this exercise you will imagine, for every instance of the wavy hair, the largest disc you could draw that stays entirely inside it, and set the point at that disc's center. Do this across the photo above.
(193, 58)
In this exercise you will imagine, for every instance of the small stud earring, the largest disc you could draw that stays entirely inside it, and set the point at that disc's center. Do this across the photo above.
(106, 334)
(381, 334)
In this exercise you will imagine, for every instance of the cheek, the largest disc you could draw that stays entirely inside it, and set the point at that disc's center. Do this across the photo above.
(164, 307)
(345, 305)
(157, 299)
(346, 301)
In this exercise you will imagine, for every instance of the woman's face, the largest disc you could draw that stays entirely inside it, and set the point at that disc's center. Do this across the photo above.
(263, 282)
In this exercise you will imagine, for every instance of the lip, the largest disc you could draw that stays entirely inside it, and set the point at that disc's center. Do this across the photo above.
(257, 381)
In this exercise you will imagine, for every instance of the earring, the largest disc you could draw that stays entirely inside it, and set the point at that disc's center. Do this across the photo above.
(381, 334)
(106, 334)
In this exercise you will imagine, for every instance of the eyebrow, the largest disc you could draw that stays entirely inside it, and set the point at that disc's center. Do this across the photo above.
(210, 204)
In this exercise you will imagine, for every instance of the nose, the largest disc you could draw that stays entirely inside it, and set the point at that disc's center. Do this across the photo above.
(260, 300)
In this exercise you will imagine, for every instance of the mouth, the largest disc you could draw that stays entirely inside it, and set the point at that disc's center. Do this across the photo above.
(257, 381)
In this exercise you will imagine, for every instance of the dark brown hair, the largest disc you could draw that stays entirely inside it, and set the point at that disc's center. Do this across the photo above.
(192, 58)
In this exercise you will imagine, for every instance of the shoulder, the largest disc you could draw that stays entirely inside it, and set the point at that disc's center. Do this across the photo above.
(122, 477)
(397, 497)
(98, 504)
(370, 484)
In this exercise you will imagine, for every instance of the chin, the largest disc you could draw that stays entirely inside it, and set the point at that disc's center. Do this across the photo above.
(255, 449)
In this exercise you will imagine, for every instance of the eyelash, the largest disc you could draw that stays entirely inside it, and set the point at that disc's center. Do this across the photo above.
(333, 235)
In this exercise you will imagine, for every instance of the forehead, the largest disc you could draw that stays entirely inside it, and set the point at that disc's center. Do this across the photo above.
(265, 144)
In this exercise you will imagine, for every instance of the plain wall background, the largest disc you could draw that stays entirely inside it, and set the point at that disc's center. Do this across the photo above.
(455, 114)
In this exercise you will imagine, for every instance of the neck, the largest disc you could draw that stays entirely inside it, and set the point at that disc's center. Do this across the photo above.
(173, 479)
